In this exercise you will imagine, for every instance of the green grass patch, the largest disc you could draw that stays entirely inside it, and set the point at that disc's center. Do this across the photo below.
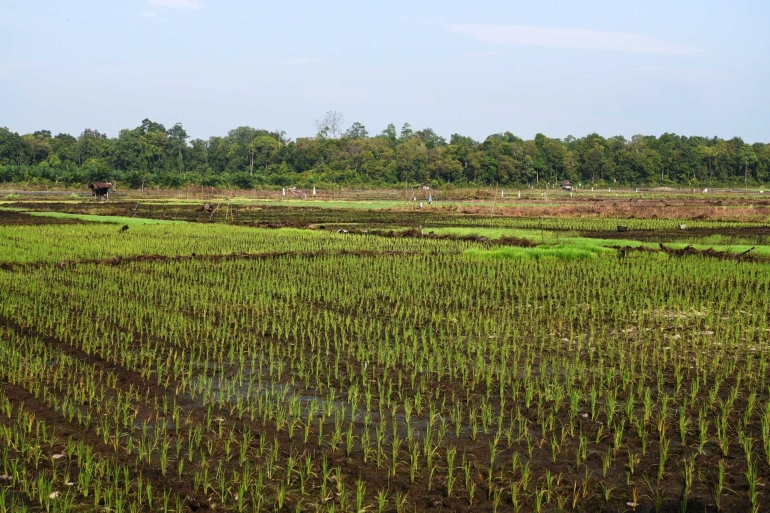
(559, 251)
(131, 221)
(377, 204)
(553, 239)
(763, 251)
(542, 237)
(603, 243)
(496, 233)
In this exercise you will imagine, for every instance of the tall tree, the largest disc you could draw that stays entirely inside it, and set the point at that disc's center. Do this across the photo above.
(747, 157)
(390, 133)
(430, 138)
(262, 149)
(356, 131)
(330, 125)
(177, 146)
(91, 144)
(406, 131)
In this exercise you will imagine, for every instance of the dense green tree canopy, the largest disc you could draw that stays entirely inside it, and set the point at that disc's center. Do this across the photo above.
(247, 157)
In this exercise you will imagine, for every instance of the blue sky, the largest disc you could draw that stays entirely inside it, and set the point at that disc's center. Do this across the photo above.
(617, 67)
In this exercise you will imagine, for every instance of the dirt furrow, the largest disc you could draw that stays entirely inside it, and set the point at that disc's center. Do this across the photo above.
(70, 430)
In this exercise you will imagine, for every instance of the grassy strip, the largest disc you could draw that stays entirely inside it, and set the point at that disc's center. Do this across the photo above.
(763, 251)
(131, 221)
(551, 240)
(496, 233)
(571, 251)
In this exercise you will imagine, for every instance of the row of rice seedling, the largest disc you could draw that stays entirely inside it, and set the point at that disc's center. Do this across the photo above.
(54, 243)
(42, 471)
(340, 382)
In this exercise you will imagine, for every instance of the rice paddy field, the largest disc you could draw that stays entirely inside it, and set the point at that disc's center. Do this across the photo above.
(163, 357)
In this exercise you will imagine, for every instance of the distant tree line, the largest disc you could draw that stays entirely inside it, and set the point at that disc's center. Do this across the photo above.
(152, 155)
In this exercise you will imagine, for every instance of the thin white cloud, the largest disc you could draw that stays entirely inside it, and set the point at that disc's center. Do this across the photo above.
(585, 39)
(179, 4)
(147, 14)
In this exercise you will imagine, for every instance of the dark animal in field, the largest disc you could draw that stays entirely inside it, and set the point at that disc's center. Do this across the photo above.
(125, 227)
(622, 228)
(101, 190)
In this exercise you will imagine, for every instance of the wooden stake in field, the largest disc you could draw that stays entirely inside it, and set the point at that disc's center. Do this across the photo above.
(494, 202)
(214, 211)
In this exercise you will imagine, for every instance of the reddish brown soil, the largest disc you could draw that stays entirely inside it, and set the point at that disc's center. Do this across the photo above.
(277, 215)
